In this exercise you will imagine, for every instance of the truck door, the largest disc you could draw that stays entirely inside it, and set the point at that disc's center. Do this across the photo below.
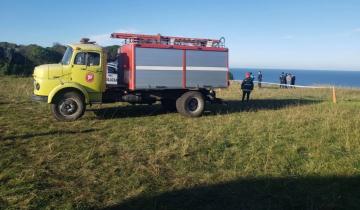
(87, 71)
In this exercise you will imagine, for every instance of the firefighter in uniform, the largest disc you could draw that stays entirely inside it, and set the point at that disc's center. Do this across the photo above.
(247, 86)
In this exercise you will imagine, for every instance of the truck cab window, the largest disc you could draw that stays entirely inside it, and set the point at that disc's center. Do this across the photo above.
(80, 59)
(112, 70)
(93, 59)
(67, 56)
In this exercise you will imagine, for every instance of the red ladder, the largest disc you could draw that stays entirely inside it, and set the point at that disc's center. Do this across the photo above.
(168, 40)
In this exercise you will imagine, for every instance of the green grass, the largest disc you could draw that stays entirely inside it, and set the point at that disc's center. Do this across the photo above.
(287, 149)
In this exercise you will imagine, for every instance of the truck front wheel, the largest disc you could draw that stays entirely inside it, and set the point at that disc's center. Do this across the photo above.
(191, 104)
(68, 106)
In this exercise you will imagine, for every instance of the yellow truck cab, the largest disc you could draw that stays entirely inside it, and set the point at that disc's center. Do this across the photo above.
(76, 81)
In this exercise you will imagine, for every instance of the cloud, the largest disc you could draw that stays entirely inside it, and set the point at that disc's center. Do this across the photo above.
(357, 29)
(105, 40)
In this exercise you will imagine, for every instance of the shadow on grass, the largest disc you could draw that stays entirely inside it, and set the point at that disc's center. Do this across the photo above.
(259, 104)
(129, 111)
(32, 135)
(323, 193)
(227, 108)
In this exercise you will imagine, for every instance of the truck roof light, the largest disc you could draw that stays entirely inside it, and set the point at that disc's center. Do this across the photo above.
(86, 41)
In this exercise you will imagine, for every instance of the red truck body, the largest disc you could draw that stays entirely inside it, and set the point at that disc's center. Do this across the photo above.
(155, 65)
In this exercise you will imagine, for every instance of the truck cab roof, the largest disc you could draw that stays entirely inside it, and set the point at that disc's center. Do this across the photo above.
(90, 47)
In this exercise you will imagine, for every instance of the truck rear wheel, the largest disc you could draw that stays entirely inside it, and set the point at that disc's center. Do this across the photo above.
(191, 104)
(68, 106)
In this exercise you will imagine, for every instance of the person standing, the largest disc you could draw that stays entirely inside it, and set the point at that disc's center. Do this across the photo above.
(252, 76)
(259, 77)
(247, 86)
(282, 79)
(293, 80)
(288, 80)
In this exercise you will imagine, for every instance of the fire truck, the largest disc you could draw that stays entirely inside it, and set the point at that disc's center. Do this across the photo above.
(181, 73)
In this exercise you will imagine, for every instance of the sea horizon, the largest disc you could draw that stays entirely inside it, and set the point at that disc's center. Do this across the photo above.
(295, 69)
(339, 78)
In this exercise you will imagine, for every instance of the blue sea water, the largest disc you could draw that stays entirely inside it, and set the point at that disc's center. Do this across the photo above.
(306, 77)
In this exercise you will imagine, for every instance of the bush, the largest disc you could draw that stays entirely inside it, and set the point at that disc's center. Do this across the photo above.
(231, 76)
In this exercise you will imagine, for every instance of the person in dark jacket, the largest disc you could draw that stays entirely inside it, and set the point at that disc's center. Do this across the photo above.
(252, 77)
(259, 77)
(282, 78)
(247, 86)
(293, 80)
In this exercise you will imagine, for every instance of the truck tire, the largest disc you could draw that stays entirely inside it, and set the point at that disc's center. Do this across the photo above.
(168, 104)
(68, 106)
(191, 104)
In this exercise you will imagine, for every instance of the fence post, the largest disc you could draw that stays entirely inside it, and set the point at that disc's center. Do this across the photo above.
(334, 95)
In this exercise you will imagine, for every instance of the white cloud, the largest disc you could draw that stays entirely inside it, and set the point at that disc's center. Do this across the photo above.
(357, 29)
(105, 40)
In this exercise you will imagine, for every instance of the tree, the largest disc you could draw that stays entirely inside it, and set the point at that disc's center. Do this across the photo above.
(21, 59)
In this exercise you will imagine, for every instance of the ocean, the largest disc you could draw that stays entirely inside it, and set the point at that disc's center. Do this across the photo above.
(306, 77)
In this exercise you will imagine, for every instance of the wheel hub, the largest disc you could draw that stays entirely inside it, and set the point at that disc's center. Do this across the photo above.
(193, 104)
(68, 107)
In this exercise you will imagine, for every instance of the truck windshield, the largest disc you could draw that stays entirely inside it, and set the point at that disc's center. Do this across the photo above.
(67, 56)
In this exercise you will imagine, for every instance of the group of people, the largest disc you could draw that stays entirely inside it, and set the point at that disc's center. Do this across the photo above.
(286, 80)
(247, 84)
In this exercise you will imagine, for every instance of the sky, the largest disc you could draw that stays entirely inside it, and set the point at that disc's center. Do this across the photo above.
(293, 34)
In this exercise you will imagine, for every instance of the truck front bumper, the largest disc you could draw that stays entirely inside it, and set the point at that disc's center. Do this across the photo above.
(39, 98)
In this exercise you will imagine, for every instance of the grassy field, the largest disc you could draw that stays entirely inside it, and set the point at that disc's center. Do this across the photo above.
(286, 149)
